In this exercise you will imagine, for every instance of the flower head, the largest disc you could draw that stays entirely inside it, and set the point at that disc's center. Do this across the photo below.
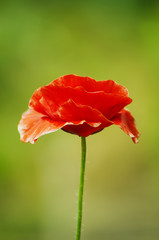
(78, 105)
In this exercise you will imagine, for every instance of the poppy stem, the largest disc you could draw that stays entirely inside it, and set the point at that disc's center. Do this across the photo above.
(81, 187)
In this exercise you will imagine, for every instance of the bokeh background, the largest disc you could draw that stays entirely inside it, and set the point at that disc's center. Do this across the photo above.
(40, 41)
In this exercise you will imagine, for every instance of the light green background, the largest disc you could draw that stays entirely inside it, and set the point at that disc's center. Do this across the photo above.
(40, 41)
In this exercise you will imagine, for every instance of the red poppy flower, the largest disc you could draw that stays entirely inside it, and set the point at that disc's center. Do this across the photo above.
(78, 105)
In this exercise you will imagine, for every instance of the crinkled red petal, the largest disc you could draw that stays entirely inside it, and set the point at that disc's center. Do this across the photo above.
(48, 99)
(125, 120)
(71, 111)
(94, 120)
(84, 129)
(34, 124)
(91, 85)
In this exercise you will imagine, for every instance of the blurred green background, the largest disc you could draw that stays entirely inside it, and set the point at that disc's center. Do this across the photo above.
(40, 41)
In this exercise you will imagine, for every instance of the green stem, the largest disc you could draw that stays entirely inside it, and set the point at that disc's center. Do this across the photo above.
(81, 187)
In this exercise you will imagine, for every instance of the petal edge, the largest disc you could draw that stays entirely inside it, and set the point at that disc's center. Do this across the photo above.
(126, 122)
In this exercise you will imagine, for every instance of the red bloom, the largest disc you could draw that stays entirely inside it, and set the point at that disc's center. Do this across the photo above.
(78, 105)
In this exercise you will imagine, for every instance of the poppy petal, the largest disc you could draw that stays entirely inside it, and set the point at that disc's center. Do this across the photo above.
(43, 101)
(75, 81)
(71, 111)
(48, 99)
(91, 85)
(126, 122)
(94, 120)
(84, 129)
(34, 124)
